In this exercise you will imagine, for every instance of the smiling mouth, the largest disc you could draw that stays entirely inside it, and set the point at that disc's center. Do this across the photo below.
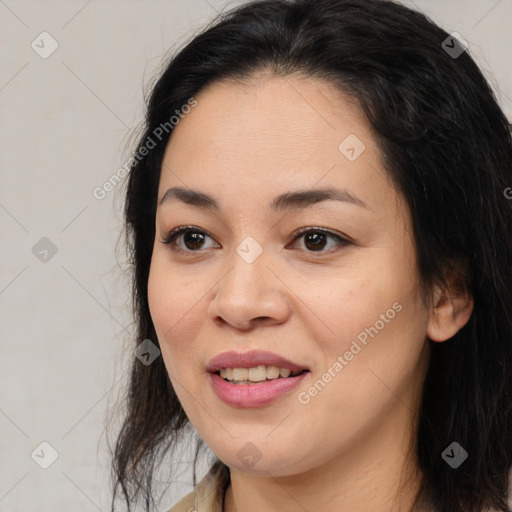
(257, 374)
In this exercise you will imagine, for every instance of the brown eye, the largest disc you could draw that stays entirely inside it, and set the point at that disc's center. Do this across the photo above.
(193, 238)
(315, 239)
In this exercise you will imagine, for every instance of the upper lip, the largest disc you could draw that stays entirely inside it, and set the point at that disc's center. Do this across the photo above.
(251, 359)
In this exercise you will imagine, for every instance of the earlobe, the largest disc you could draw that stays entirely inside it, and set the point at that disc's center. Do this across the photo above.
(450, 312)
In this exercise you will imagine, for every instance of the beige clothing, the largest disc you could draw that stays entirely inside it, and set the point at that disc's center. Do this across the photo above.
(208, 494)
(204, 497)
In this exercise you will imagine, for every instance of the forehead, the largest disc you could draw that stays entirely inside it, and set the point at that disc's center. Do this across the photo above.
(270, 133)
(285, 113)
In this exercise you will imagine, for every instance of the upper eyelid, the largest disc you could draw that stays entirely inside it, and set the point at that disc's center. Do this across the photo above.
(183, 229)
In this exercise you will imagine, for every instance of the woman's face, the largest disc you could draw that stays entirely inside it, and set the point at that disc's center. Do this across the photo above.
(347, 309)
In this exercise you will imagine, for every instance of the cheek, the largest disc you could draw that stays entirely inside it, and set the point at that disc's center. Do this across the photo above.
(373, 317)
(161, 307)
(177, 311)
(342, 306)
(167, 312)
(368, 364)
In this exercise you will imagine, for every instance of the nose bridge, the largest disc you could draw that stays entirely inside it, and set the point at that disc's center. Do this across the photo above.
(249, 250)
(249, 290)
(248, 275)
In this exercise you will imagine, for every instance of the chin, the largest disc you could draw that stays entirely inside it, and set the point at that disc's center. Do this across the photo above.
(252, 460)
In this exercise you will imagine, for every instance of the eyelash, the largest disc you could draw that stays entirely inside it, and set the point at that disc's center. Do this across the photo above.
(172, 235)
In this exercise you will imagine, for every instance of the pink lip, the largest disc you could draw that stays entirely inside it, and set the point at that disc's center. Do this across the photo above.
(258, 393)
(253, 395)
(251, 359)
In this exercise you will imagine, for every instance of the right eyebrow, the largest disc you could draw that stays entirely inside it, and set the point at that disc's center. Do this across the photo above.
(294, 199)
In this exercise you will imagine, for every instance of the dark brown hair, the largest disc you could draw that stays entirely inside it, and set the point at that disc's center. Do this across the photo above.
(447, 147)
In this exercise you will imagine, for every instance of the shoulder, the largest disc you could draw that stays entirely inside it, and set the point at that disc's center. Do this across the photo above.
(203, 497)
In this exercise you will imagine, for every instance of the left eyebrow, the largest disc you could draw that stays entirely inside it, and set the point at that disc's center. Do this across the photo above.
(289, 200)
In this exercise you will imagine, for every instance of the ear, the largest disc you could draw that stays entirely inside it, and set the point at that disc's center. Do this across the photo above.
(451, 309)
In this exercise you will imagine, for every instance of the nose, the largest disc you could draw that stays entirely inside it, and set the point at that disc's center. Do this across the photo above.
(250, 294)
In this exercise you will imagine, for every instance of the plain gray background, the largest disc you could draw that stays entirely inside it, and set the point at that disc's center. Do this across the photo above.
(65, 127)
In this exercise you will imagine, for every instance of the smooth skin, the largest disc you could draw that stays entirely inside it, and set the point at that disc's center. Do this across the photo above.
(348, 448)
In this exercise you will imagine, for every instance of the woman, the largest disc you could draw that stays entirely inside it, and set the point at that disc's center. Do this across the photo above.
(320, 237)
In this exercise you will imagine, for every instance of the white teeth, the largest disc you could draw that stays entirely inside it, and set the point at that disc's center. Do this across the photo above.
(240, 374)
(272, 372)
(255, 374)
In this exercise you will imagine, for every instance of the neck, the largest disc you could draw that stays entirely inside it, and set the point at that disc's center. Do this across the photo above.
(377, 473)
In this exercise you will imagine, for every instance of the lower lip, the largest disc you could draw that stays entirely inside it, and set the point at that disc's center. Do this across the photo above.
(253, 395)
